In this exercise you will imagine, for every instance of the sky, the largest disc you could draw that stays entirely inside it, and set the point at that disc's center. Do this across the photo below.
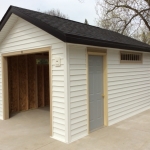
(75, 9)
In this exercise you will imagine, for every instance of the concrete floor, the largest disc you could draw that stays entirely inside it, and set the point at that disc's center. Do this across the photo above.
(30, 131)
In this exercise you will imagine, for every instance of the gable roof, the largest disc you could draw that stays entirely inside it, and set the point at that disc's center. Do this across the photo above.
(74, 32)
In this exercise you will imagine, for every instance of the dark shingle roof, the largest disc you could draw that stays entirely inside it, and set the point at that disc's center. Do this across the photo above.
(75, 32)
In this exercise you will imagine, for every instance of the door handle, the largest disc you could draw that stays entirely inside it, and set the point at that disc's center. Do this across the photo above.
(103, 95)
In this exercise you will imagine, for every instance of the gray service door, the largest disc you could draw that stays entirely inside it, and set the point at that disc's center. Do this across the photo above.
(96, 108)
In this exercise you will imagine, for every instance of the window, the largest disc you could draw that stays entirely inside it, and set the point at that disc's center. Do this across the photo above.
(129, 57)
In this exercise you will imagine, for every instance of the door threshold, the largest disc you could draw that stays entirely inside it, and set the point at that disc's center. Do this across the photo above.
(97, 129)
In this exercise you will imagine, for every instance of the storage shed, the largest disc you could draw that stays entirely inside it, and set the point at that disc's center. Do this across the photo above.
(90, 77)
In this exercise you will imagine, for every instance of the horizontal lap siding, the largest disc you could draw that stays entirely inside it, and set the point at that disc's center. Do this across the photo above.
(24, 36)
(58, 93)
(128, 87)
(78, 92)
(8, 26)
(6, 29)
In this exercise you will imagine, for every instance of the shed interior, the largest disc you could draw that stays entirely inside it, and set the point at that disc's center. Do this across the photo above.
(28, 82)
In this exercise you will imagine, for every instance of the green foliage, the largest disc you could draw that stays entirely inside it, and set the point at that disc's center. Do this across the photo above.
(42, 61)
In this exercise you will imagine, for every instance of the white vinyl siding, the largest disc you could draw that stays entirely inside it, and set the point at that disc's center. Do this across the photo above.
(58, 93)
(25, 36)
(8, 26)
(128, 87)
(6, 29)
(78, 92)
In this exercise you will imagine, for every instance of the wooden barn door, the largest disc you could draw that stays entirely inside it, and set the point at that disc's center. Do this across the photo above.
(28, 83)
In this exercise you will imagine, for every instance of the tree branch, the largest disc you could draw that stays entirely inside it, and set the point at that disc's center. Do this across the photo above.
(135, 10)
(148, 2)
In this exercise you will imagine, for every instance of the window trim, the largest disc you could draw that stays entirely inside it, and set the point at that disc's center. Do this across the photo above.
(131, 61)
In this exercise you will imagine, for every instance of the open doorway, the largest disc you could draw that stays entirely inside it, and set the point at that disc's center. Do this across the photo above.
(28, 82)
(26, 87)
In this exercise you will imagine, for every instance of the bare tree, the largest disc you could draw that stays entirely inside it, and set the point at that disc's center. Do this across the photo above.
(56, 12)
(125, 14)
(148, 2)
(143, 35)
(109, 22)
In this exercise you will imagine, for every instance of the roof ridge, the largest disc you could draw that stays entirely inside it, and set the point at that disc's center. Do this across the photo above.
(59, 17)
(81, 23)
(71, 31)
(36, 12)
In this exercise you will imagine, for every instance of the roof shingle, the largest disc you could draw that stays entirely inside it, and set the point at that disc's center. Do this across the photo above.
(80, 33)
